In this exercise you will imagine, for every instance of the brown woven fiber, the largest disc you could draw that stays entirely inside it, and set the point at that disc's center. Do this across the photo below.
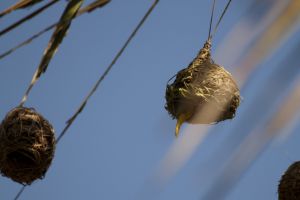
(289, 186)
(202, 93)
(27, 145)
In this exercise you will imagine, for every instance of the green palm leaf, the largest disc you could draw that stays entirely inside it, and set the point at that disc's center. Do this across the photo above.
(59, 33)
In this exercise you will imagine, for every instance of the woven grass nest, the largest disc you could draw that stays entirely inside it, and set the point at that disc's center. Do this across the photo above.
(27, 145)
(202, 93)
(289, 186)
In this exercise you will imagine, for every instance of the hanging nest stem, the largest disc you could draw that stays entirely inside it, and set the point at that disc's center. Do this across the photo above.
(289, 186)
(202, 93)
(27, 145)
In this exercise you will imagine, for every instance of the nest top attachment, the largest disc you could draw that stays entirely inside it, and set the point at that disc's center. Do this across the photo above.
(27, 145)
(289, 186)
(202, 93)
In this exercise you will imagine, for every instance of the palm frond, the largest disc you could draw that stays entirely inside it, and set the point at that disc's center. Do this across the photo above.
(21, 4)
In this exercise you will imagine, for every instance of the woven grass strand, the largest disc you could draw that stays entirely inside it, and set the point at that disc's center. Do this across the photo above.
(220, 18)
(211, 19)
(82, 106)
(20, 192)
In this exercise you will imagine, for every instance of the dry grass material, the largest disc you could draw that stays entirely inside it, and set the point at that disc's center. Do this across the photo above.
(289, 186)
(27, 145)
(202, 93)
(19, 5)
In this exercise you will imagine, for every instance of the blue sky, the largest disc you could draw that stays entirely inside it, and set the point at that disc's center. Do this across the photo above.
(115, 147)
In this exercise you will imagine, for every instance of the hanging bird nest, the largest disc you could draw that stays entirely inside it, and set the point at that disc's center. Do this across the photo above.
(27, 145)
(202, 93)
(289, 186)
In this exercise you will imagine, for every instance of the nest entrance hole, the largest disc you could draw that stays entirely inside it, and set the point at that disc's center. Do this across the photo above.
(21, 158)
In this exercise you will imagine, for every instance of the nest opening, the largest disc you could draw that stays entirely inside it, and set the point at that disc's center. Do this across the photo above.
(18, 159)
(27, 145)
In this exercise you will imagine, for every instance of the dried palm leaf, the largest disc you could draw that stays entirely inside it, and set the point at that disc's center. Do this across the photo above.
(21, 4)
